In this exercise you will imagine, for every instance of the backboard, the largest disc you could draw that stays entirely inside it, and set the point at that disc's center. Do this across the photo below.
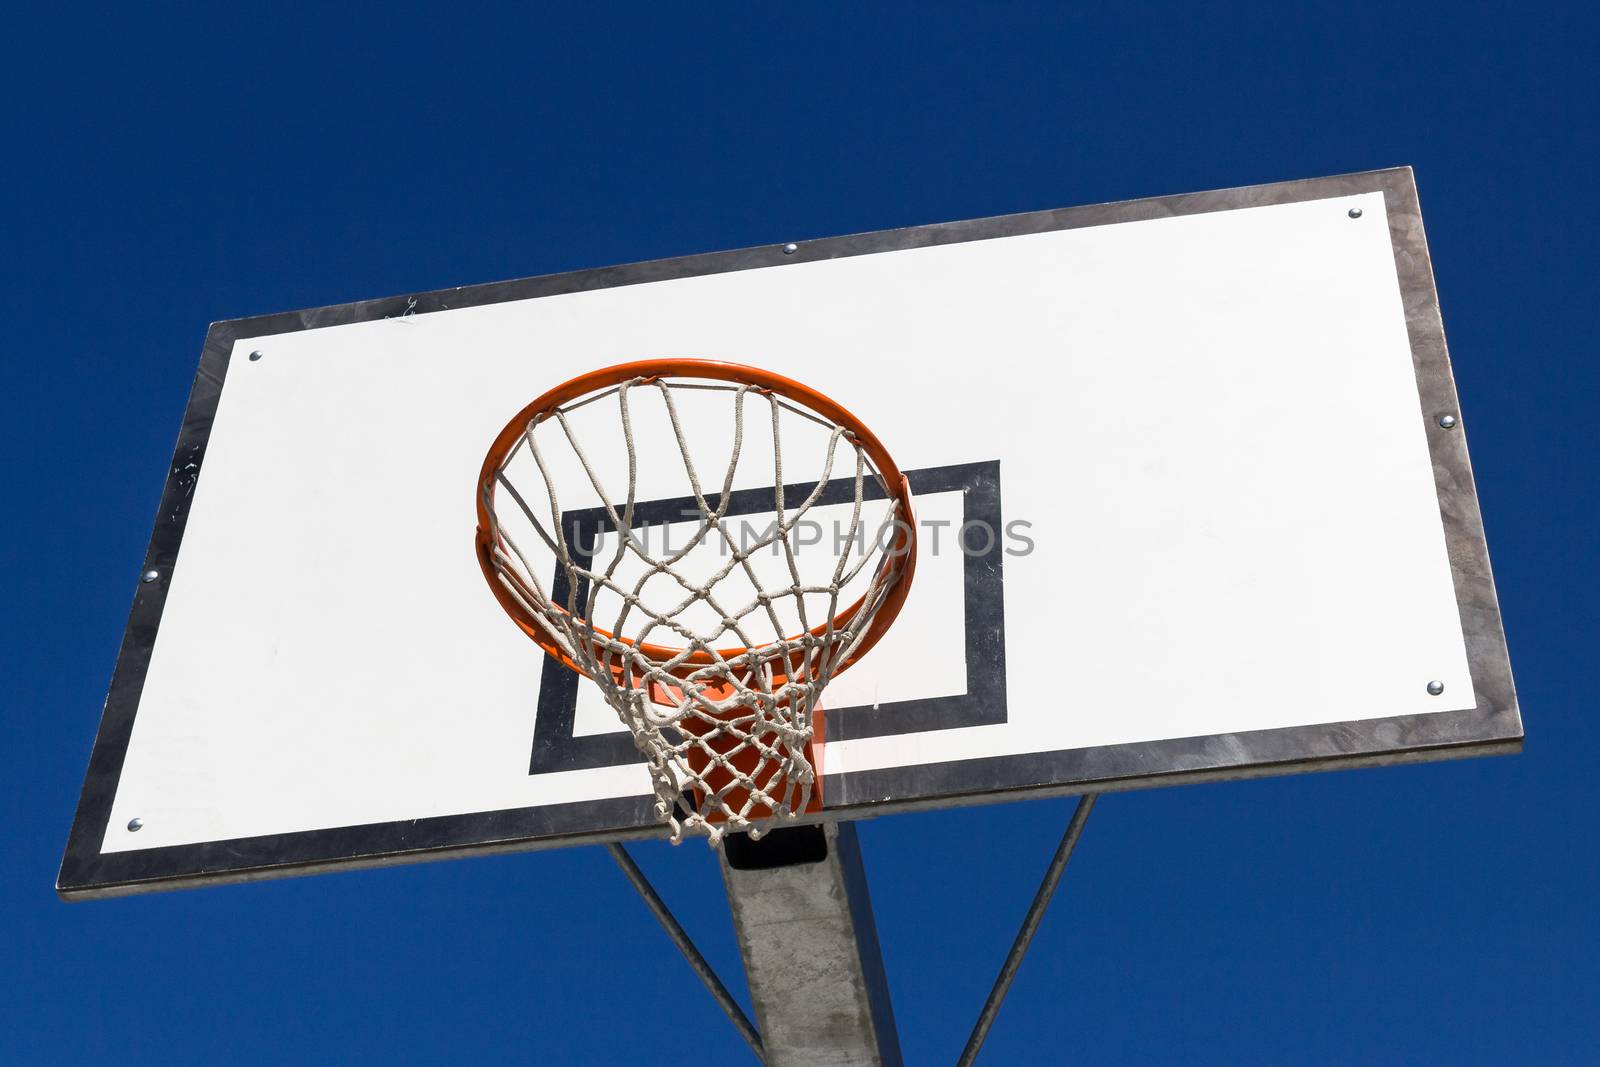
(1191, 482)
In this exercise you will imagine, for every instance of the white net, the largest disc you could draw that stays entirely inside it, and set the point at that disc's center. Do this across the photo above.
(712, 651)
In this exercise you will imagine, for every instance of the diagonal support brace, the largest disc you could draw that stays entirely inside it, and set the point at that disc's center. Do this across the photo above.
(680, 937)
(1030, 924)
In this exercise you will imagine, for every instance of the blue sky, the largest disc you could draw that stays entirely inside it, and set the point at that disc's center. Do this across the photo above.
(173, 166)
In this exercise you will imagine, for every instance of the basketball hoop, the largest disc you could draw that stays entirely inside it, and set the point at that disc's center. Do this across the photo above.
(725, 711)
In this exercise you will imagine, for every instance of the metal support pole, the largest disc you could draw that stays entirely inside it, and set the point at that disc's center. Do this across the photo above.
(803, 916)
(1030, 924)
(680, 937)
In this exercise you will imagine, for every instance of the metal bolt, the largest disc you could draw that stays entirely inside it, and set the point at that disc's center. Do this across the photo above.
(149, 576)
(1355, 213)
(134, 825)
(255, 355)
(1435, 687)
(790, 249)
(1447, 421)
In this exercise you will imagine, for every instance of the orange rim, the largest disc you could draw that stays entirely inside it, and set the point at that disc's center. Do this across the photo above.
(905, 545)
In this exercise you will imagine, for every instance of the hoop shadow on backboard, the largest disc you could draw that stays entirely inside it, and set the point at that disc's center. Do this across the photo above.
(558, 747)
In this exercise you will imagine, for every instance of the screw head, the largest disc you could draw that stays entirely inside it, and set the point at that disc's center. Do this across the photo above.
(790, 249)
(149, 576)
(134, 825)
(1448, 422)
(256, 355)
(1354, 213)
(1435, 687)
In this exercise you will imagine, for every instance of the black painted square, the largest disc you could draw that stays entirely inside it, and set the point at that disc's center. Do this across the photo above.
(556, 748)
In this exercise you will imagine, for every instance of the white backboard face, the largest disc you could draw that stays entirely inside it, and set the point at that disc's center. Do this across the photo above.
(1187, 510)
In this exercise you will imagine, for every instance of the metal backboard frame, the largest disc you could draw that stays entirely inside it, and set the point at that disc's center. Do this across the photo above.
(1492, 726)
